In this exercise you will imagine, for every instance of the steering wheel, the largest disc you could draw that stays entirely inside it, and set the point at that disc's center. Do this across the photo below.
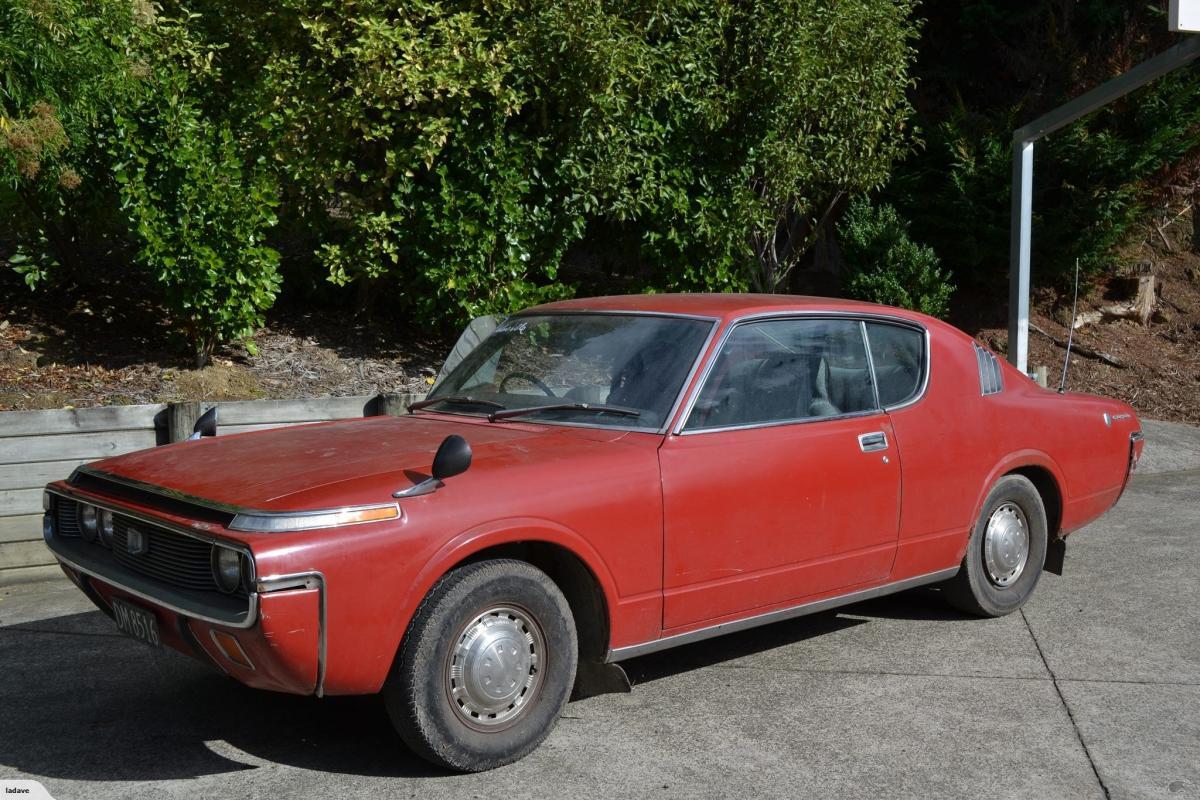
(526, 376)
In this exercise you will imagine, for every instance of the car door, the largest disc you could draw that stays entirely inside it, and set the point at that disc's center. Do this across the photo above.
(781, 483)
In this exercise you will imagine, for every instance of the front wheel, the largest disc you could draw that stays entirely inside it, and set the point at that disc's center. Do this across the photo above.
(1006, 551)
(486, 666)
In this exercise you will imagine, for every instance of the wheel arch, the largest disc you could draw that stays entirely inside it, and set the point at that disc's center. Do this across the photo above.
(1051, 493)
(1045, 475)
(574, 579)
(574, 566)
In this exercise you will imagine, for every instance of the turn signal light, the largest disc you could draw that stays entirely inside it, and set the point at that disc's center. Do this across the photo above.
(229, 646)
(309, 520)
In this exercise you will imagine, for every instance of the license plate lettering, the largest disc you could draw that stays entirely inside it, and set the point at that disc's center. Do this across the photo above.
(136, 622)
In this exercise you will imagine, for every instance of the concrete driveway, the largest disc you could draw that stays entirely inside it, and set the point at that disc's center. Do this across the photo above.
(1092, 691)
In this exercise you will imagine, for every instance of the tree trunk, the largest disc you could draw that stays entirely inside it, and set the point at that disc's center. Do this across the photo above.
(1196, 221)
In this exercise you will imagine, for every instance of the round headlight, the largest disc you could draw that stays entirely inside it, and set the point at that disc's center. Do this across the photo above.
(45, 501)
(227, 569)
(89, 521)
(106, 527)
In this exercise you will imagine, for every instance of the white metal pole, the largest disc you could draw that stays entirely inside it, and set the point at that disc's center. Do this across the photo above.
(1022, 240)
(1173, 58)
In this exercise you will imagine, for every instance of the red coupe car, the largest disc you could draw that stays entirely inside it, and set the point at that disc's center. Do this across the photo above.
(595, 480)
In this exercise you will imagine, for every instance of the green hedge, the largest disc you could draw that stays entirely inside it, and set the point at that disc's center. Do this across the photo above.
(444, 156)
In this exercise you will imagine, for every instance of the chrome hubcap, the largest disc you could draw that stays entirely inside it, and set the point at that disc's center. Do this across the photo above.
(1006, 545)
(495, 668)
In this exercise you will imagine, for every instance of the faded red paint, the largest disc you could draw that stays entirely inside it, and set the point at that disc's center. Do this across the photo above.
(679, 532)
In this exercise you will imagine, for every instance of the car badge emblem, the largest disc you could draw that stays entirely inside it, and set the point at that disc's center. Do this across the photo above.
(135, 542)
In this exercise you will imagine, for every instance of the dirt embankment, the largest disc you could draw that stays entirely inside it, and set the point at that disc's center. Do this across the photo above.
(91, 351)
(1155, 367)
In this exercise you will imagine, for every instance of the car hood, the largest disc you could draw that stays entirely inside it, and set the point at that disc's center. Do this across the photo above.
(349, 462)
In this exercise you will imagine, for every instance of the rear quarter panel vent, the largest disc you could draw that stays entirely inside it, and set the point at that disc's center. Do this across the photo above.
(990, 379)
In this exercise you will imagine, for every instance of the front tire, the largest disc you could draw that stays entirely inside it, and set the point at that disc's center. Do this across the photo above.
(486, 666)
(1005, 554)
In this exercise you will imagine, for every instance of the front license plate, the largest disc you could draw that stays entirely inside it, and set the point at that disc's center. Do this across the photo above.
(136, 622)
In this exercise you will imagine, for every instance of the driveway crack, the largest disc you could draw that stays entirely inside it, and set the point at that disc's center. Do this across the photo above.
(1066, 707)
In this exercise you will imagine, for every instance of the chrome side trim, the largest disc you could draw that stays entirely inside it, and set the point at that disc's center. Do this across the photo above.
(860, 316)
(251, 610)
(305, 580)
(874, 412)
(632, 651)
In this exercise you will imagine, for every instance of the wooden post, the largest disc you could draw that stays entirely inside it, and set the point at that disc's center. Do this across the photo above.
(1043, 375)
(181, 418)
(392, 405)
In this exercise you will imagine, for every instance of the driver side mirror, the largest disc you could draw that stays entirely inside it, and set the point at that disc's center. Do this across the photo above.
(453, 457)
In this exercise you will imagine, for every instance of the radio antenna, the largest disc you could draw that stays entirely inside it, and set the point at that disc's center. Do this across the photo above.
(1062, 385)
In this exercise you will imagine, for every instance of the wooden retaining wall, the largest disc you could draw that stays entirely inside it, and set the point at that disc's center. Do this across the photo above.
(37, 447)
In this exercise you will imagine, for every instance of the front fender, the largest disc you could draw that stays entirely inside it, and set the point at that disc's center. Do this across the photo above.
(498, 532)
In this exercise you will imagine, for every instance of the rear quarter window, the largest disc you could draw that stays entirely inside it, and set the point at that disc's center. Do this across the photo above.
(898, 355)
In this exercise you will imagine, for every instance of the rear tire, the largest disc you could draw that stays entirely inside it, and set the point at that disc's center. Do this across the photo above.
(1005, 554)
(486, 666)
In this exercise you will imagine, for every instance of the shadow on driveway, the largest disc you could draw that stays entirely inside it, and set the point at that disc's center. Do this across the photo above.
(82, 702)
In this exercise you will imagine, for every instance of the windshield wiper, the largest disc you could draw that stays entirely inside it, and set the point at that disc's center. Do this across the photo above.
(508, 413)
(455, 398)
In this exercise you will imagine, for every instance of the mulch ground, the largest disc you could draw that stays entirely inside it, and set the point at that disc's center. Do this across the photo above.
(90, 351)
(86, 347)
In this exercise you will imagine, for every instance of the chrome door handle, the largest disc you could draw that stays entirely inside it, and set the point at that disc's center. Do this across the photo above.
(873, 442)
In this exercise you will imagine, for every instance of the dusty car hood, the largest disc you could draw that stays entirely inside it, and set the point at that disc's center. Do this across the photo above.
(347, 462)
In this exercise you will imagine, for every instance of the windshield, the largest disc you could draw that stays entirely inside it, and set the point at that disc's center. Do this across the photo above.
(598, 369)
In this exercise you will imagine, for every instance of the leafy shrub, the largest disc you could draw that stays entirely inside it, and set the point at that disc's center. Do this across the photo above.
(456, 153)
(883, 265)
(109, 151)
(444, 156)
(198, 213)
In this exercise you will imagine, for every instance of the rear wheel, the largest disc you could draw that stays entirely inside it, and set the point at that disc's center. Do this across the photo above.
(486, 666)
(1006, 551)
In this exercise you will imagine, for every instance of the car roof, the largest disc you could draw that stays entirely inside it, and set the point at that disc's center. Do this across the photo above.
(722, 306)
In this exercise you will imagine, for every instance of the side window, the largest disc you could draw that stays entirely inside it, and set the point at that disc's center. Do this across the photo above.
(784, 370)
(898, 354)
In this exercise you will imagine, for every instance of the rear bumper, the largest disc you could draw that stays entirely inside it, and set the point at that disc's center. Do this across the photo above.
(1137, 442)
(282, 648)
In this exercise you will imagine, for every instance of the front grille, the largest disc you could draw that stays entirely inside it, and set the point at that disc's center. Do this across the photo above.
(178, 560)
(171, 557)
(66, 518)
